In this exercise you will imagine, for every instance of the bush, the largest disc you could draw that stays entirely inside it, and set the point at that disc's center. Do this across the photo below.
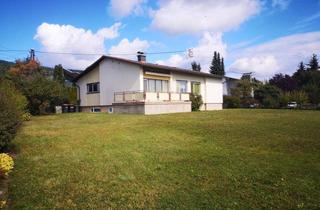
(231, 101)
(268, 95)
(196, 101)
(26, 116)
(248, 102)
(12, 106)
(19, 100)
(300, 97)
(10, 120)
(6, 164)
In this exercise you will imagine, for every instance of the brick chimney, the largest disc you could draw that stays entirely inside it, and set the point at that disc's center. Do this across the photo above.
(141, 57)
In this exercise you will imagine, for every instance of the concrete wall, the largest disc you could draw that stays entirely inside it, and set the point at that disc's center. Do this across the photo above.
(118, 76)
(214, 91)
(165, 108)
(152, 108)
(213, 106)
(92, 98)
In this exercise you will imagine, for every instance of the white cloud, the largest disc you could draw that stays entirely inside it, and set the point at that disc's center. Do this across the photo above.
(202, 53)
(120, 9)
(279, 55)
(67, 38)
(127, 47)
(196, 17)
(265, 65)
(282, 4)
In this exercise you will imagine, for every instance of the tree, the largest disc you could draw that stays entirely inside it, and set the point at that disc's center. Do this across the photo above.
(301, 66)
(284, 82)
(195, 66)
(268, 95)
(58, 74)
(222, 66)
(313, 63)
(308, 79)
(42, 93)
(243, 89)
(217, 64)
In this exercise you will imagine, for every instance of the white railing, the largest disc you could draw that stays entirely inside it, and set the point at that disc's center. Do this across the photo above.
(140, 96)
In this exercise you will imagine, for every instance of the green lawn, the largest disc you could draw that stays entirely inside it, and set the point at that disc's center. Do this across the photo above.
(230, 159)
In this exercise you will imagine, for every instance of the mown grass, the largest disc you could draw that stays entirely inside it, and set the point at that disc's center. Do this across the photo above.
(230, 159)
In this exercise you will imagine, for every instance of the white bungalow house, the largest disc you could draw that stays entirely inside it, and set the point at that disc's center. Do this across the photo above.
(120, 85)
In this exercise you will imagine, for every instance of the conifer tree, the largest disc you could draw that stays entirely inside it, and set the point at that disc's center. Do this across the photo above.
(313, 63)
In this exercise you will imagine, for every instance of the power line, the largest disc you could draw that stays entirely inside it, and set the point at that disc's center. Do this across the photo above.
(8, 50)
(74, 53)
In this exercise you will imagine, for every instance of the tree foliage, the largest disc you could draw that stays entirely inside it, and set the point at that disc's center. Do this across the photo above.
(42, 92)
(284, 82)
(268, 95)
(196, 101)
(12, 107)
(313, 63)
(217, 64)
(195, 66)
(58, 74)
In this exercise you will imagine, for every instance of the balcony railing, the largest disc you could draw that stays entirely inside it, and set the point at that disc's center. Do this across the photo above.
(140, 96)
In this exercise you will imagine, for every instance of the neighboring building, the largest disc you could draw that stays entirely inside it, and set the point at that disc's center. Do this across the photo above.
(228, 84)
(125, 86)
(70, 75)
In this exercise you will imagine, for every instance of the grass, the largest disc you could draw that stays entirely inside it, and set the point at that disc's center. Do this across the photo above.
(231, 159)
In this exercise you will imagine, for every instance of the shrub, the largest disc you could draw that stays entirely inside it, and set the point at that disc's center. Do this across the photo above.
(248, 102)
(12, 106)
(19, 100)
(268, 95)
(300, 97)
(6, 164)
(231, 101)
(10, 120)
(196, 101)
(26, 116)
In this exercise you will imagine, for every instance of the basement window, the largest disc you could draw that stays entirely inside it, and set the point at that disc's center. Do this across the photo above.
(93, 87)
(95, 109)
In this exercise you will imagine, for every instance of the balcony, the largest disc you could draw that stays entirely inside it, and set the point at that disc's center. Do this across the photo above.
(140, 96)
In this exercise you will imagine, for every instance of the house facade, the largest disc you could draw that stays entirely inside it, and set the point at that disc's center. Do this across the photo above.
(125, 86)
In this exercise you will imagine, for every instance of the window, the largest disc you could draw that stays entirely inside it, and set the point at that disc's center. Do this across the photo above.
(95, 109)
(153, 85)
(93, 87)
(182, 86)
(195, 88)
(165, 86)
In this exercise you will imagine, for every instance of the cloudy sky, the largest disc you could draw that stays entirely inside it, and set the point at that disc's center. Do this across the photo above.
(260, 36)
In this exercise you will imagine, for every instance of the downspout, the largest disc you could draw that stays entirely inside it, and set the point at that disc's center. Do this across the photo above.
(78, 97)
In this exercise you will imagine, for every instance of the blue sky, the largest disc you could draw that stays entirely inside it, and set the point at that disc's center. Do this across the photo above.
(263, 36)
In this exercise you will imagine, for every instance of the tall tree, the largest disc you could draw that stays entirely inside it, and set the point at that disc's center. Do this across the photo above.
(284, 82)
(313, 64)
(217, 64)
(195, 66)
(58, 74)
(222, 66)
(301, 66)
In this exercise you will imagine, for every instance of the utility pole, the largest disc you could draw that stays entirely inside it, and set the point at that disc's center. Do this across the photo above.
(32, 54)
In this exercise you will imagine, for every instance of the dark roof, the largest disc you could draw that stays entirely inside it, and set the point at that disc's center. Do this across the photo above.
(147, 66)
(71, 74)
(230, 78)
